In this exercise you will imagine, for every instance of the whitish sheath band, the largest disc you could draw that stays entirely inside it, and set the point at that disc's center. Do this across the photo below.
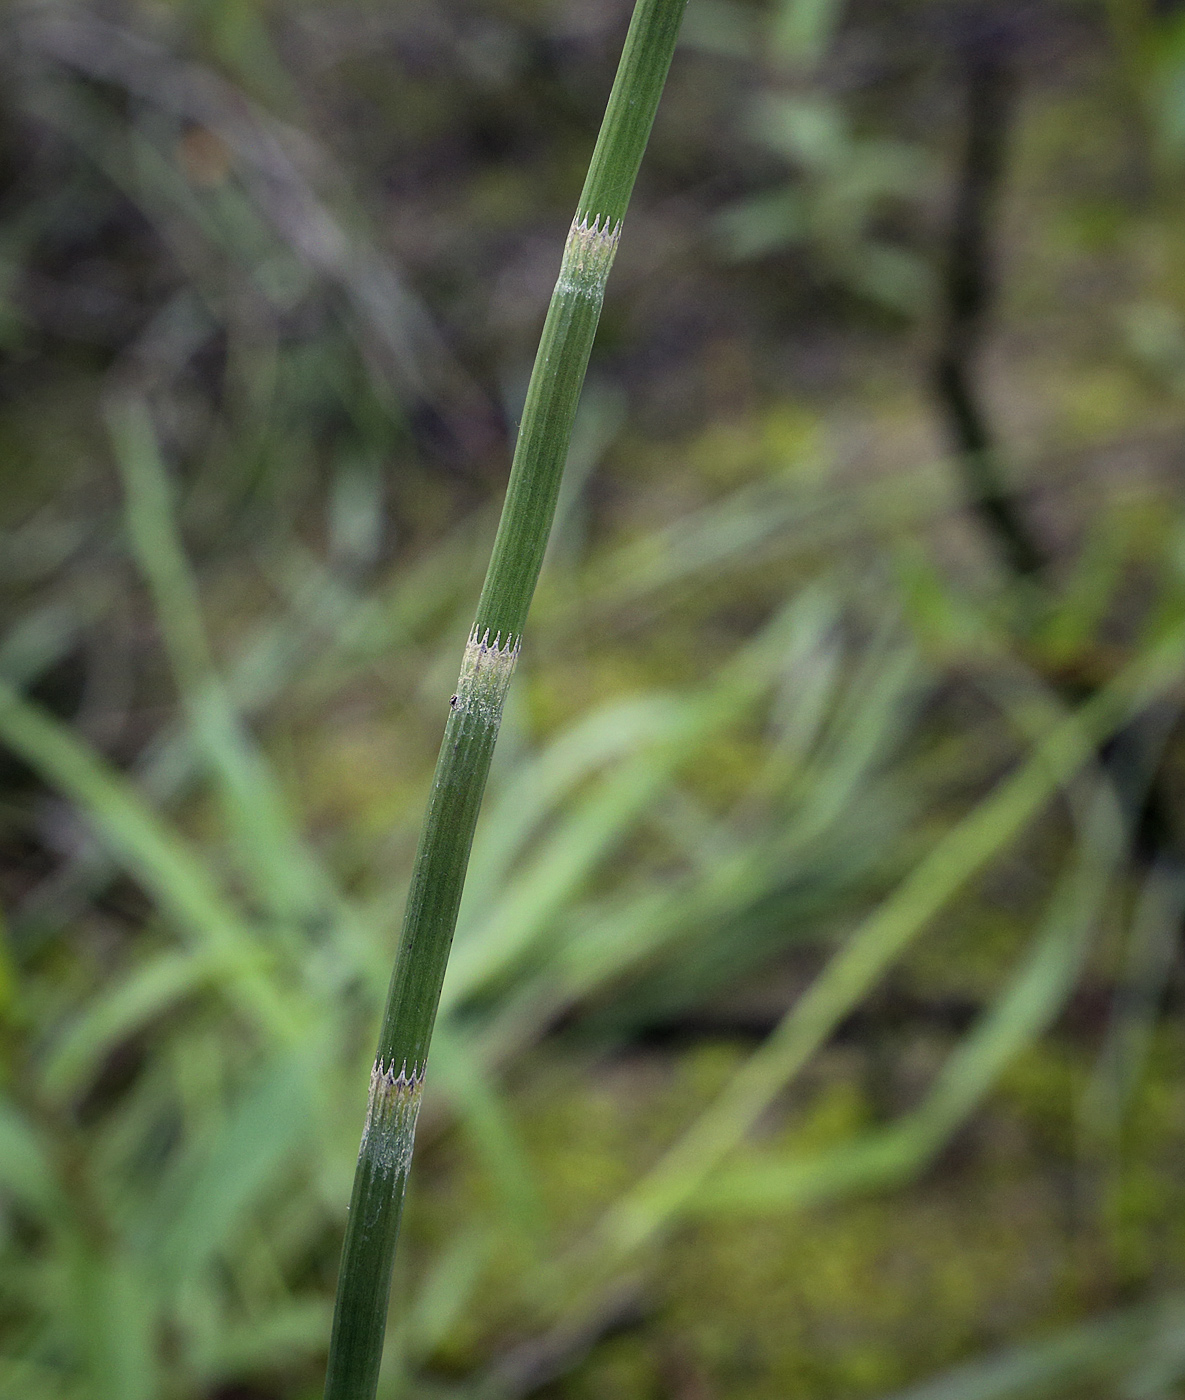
(391, 1117)
(486, 670)
(588, 256)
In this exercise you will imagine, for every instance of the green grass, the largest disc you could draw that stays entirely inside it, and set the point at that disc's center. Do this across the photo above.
(616, 870)
(776, 779)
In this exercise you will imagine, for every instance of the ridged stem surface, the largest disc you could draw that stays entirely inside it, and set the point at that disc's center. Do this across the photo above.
(476, 709)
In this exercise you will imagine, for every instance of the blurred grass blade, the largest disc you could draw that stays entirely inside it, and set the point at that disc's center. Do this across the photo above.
(1022, 1012)
(43, 638)
(26, 1174)
(483, 1114)
(265, 840)
(211, 1187)
(1062, 1365)
(326, 627)
(1151, 951)
(414, 355)
(541, 784)
(603, 818)
(120, 1012)
(153, 853)
(646, 1210)
(115, 1319)
(286, 1335)
(447, 1291)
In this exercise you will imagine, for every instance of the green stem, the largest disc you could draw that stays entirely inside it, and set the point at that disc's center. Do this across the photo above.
(476, 709)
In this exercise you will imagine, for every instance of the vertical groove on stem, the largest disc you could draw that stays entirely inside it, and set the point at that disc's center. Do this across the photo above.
(476, 709)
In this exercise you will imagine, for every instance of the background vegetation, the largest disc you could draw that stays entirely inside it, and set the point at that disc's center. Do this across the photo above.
(815, 1025)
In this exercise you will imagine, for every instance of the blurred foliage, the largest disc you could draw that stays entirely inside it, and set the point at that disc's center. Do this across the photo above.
(814, 1023)
(846, 185)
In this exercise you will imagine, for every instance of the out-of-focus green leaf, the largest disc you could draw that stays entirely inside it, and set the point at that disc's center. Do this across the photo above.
(205, 1195)
(265, 839)
(121, 1011)
(115, 1317)
(642, 1214)
(1100, 1350)
(154, 854)
(1022, 1011)
(25, 1172)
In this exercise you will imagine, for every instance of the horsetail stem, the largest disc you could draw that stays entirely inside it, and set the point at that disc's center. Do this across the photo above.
(476, 709)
